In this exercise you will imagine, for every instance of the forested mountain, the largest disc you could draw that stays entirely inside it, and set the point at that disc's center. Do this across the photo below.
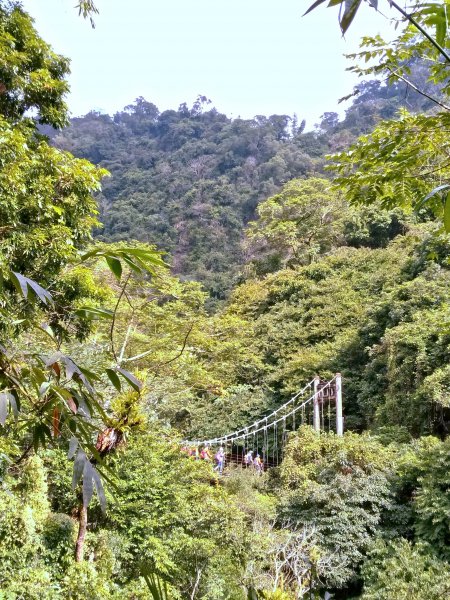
(189, 180)
(113, 366)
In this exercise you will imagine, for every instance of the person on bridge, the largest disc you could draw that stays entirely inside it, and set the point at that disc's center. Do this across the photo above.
(194, 453)
(248, 459)
(220, 460)
(205, 454)
(258, 464)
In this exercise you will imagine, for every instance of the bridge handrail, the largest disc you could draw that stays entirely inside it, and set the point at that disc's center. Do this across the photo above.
(246, 431)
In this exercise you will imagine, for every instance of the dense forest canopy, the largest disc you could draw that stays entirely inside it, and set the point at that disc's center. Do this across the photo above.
(189, 180)
(177, 275)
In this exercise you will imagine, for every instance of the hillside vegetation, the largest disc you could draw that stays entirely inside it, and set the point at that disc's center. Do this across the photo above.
(189, 180)
(115, 352)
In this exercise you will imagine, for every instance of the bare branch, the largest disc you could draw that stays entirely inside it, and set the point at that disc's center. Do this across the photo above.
(113, 322)
(418, 90)
(125, 342)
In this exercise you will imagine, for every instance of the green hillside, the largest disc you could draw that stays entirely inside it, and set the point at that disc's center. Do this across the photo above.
(171, 334)
(189, 180)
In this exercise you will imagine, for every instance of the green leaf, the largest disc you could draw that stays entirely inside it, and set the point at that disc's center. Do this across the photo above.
(47, 330)
(40, 432)
(24, 285)
(114, 379)
(131, 379)
(351, 8)
(447, 214)
(91, 375)
(91, 312)
(441, 31)
(91, 254)
(88, 484)
(99, 487)
(38, 375)
(72, 425)
(73, 445)
(78, 468)
(313, 6)
(145, 255)
(115, 266)
(132, 265)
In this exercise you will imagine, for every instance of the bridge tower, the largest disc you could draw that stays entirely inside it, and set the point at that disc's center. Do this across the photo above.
(325, 391)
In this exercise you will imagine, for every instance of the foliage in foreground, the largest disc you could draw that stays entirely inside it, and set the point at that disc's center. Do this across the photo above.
(362, 290)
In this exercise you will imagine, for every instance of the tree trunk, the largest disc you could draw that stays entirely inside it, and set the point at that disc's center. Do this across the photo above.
(79, 547)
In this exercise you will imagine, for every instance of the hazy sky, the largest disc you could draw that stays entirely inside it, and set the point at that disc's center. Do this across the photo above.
(248, 56)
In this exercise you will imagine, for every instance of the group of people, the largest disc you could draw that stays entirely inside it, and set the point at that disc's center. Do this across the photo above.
(255, 462)
(250, 460)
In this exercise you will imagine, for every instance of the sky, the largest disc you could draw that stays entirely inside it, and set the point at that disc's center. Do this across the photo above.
(249, 57)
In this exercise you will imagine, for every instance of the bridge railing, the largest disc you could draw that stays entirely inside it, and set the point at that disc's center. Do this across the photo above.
(318, 403)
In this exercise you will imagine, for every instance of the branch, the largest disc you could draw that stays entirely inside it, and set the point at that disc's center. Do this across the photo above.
(412, 20)
(197, 583)
(419, 91)
(125, 342)
(182, 348)
(24, 454)
(147, 352)
(429, 172)
(138, 356)
(113, 322)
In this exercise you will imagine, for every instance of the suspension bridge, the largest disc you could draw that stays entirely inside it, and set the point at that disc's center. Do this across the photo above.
(318, 403)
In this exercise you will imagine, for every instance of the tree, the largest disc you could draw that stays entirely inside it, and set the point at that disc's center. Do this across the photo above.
(387, 163)
(431, 502)
(398, 164)
(199, 551)
(301, 222)
(397, 570)
(47, 214)
(32, 76)
(341, 486)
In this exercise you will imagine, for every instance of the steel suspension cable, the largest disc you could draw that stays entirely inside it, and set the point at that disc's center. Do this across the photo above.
(238, 435)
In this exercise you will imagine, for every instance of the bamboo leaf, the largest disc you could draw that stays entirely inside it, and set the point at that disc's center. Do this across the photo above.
(43, 388)
(99, 488)
(78, 467)
(4, 403)
(433, 192)
(132, 265)
(447, 214)
(24, 285)
(114, 379)
(13, 404)
(351, 8)
(56, 422)
(88, 484)
(115, 266)
(43, 295)
(313, 6)
(131, 379)
(73, 445)
(145, 255)
(91, 312)
(40, 432)
(20, 283)
(72, 405)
